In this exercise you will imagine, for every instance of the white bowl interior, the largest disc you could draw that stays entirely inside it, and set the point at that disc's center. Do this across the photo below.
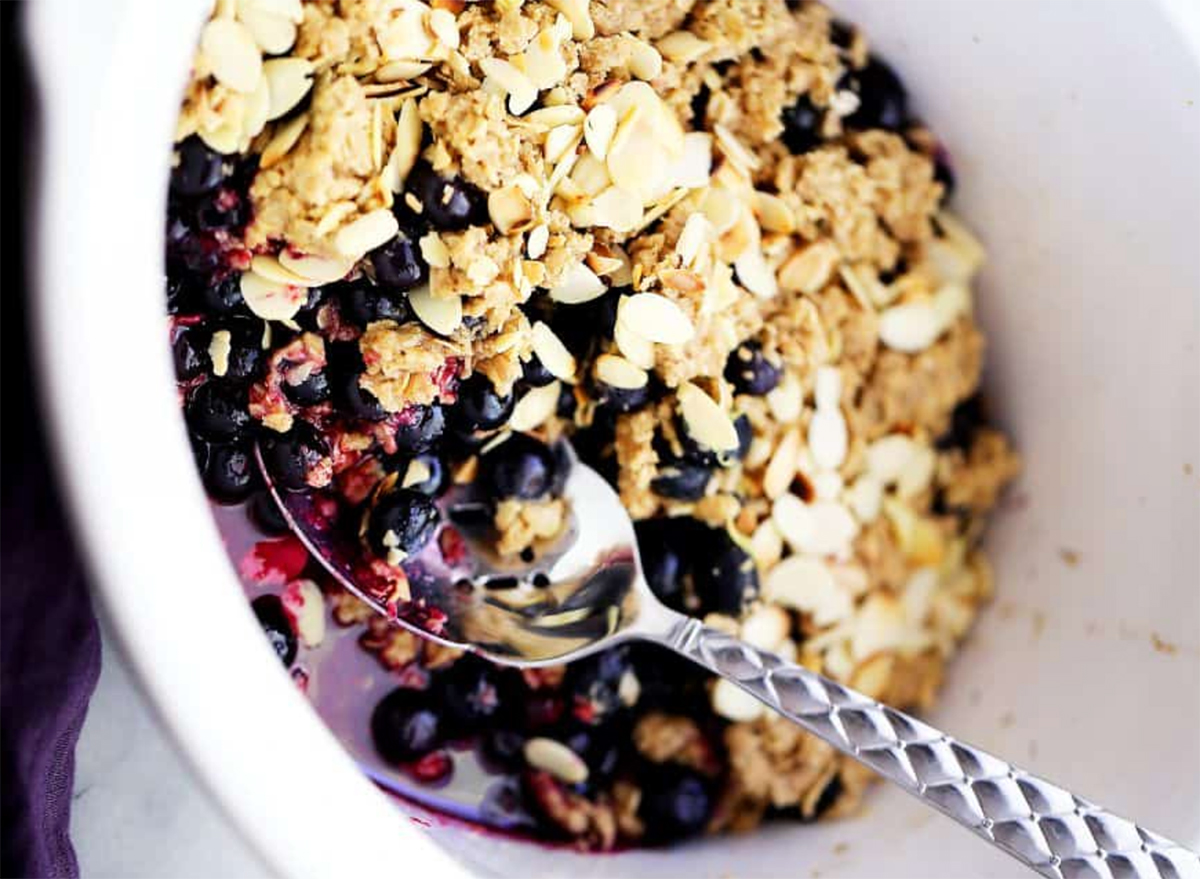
(1075, 137)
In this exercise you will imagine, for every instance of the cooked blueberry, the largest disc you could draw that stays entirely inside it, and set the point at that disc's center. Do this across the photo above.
(313, 389)
(666, 547)
(230, 474)
(363, 302)
(725, 577)
(599, 748)
(191, 356)
(582, 326)
(199, 453)
(745, 435)
(228, 212)
(198, 170)
(264, 513)
(277, 625)
(666, 680)
(244, 356)
(405, 726)
(183, 293)
(750, 371)
(345, 368)
(479, 405)
(433, 484)
(535, 374)
(223, 296)
(681, 480)
(398, 264)
(965, 420)
(419, 427)
(801, 126)
(446, 203)
(216, 411)
(291, 457)
(520, 467)
(595, 684)
(883, 102)
(504, 747)
(401, 520)
(620, 399)
(567, 404)
(676, 802)
(471, 692)
(196, 252)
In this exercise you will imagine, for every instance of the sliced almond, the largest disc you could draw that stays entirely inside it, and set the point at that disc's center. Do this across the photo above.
(578, 284)
(415, 473)
(644, 60)
(366, 232)
(781, 469)
(400, 70)
(317, 269)
(272, 269)
(535, 408)
(766, 545)
(820, 528)
(658, 319)
(408, 146)
(617, 372)
(636, 348)
(827, 485)
(559, 140)
(576, 11)
(559, 114)
(636, 159)
(444, 27)
(827, 387)
(553, 354)
(535, 244)
(232, 54)
(809, 269)
(808, 585)
(707, 423)
(509, 209)
(683, 47)
(692, 167)
(865, 498)
(722, 208)
(290, 80)
(434, 250)
(766, 627)
(257, 109)
(521, 91)
(271, 300)
(598, 129)
(911, 327)
(282, 141)
(917, 473)
(735, 150)
(614, 208)
(697, 231)
(733, 703)
(786, 400)
(556, 758)
(442, 314)
(755, 274)
(828, 438)
(543, 62)
(879, 625)
(888, 456)
(773, 213)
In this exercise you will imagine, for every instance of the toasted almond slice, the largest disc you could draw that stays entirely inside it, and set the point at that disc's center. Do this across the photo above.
(969, 254)
(442, 314)
(617, 372)
(722, 208)
(232, 54)
(636, 348)
(560, 139)
(577, 13)
(828, 438)
(820, 528)
(755, 273)
(951, 301)
(225, 139)
(408, 145)
(553, 756)
(636, 159)
(911, 327)
(786, 399)
(548, 347)
(274, 34)
(683, 47)
(917, 473)
(401, 70)
(282, 141)
(810, 268)
(598, 129)
(827, 485)
(888, 456)
(293, 10)
(692, 168)
(271, 300)
(535, 408)
(434, 250)
(735, 151)
(765, 627)
(697, 231)
(781, 469)
(521, 91)
(509, 209)
(827, 388)
(773, 213)
(272, 269)
(733, 703)
(317, 269)
(658, 319)
(559, 114)
(614, 208)
(879, 625)
(444, 26)
(257, 108)
(289, 80)
(366, 232)
(705, 420)
(766, 545)
(579, 284)
(807, 585)
(644, 60)
(535, 244)
(865, 498)
(543, 61)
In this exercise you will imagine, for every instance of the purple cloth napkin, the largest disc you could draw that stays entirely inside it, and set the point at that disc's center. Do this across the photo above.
(49, 640)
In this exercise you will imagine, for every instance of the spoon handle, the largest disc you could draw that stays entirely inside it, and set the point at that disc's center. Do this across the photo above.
(1049, 829)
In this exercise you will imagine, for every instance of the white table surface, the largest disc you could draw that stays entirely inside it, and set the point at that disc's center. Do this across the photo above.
(139, 811)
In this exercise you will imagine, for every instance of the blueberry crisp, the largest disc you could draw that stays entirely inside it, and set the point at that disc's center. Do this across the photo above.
(413, 245)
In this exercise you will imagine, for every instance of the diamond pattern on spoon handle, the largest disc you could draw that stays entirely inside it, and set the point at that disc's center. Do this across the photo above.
(1046, 827)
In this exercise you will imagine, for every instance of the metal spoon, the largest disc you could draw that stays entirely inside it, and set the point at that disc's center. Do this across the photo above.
(589, 594)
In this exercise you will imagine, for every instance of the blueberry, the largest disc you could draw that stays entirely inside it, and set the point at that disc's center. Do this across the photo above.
(223, 296)
(402, 520)
(504, 747)
(398, 264)
(599, 748)
(405, 726)
(745, 435)
(883, 102)
(595, 684)
(345, 367)
(314, 389)
(216, 411)
(676, 802)
(471, 692)
(290, 457)
(479, 405)
(681, 480)
(666, 547)
(801, 126)
(265, 514)
(446, 203)
(230, 474)
(199, 453)
(725, 577)
(567, 404)
(419, 428)
(750, 371)
(965, 421)
(620, 399)
(434, 484)
(198, 170)
(183, 293)
(666, 680)
(520, 467)
(363, 303)
(535, 374)
(246, 356)
(191, 356)
(277, 626)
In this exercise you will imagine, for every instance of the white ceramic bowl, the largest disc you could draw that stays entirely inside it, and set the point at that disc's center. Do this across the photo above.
(1076, 134)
